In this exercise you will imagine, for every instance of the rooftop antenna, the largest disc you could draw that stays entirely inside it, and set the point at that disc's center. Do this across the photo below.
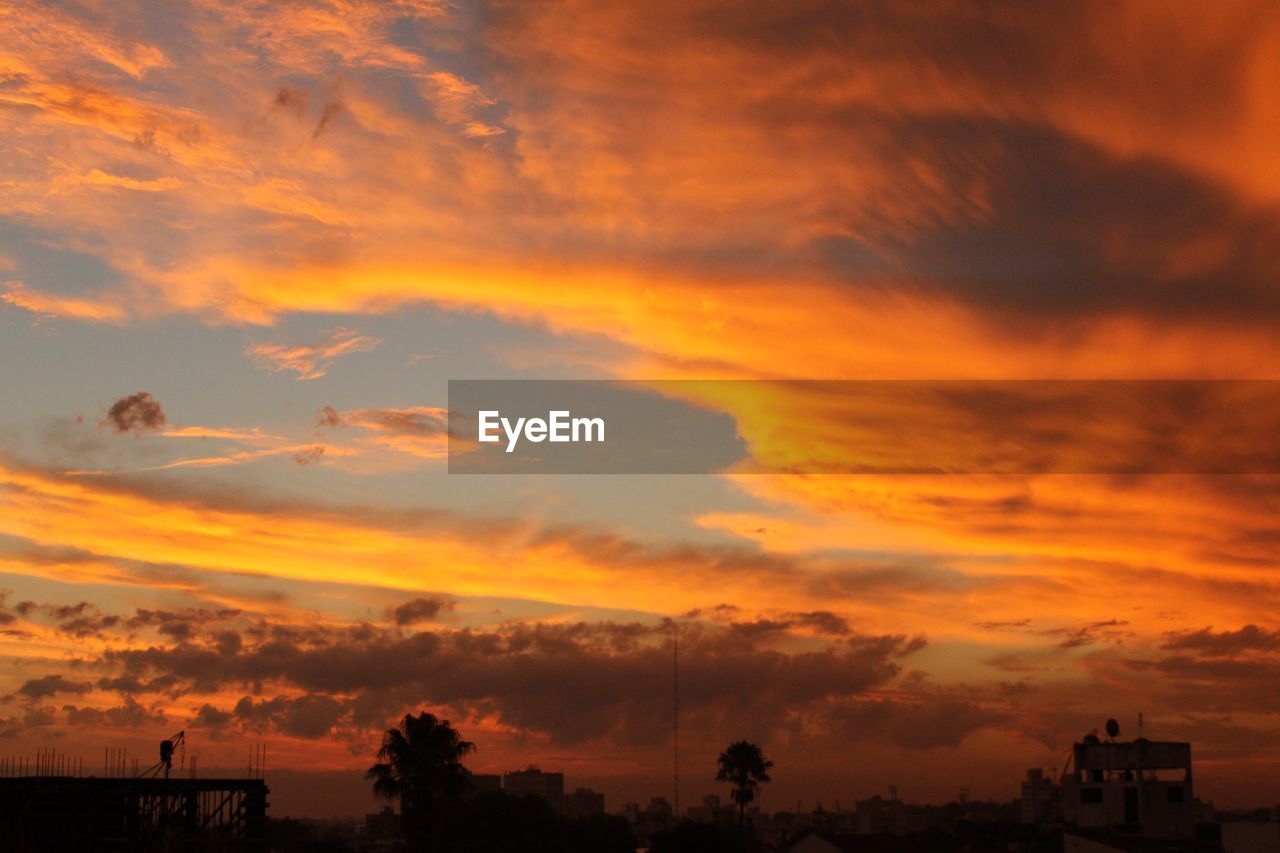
(675, 716)
(1139, 724)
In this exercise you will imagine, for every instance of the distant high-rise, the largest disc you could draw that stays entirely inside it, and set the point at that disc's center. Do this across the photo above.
(659, 807)
(878, 816)
(533, 782)
(1040, 798)
(583, 802)
(710, 811)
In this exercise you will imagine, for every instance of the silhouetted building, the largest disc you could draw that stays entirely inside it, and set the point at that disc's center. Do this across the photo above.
(56, 814)
(384, 824)
(650, 820)
(659, 808)
(583, 802)
(1141, 787)
(532, 781)
(486, 782)
(711, 811)
(1040, 799)
(878, 816)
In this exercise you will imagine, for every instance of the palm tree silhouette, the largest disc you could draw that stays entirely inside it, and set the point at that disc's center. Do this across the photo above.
(421, 763)
(744, 766)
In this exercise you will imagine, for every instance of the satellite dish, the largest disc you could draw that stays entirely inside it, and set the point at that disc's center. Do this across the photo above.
(1113, 729)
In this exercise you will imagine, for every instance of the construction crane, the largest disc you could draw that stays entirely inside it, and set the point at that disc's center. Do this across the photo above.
(167, 747)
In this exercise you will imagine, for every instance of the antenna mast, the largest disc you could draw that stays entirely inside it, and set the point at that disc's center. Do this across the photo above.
(675, 716)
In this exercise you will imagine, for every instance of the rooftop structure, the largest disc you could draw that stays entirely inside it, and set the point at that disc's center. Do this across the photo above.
(1142, 787)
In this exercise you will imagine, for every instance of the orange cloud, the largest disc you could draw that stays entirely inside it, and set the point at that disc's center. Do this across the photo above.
(418, 431)
(311, 361)
(20, 296)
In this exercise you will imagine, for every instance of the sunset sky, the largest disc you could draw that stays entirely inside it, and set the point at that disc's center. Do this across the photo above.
(244, 246)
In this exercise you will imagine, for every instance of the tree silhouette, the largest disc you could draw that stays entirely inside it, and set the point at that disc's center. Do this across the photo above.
(744, 766)
(421, 763)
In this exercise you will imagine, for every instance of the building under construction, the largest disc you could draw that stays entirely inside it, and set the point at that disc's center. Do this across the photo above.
(58, 810)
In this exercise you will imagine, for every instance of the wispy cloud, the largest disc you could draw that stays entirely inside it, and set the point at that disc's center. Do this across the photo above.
(420, 431)
(311, 361)
(19, 295)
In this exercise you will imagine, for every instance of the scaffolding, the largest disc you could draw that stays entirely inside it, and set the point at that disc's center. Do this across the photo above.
(66, 814)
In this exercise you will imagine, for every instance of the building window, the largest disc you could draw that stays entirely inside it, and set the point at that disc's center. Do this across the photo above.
(1090, 795)
(1173, 795)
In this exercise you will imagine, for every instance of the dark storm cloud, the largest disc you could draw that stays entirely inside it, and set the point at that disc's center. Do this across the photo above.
(179, 624)
(88, 626)
(67, 611)
(821, 621)
(1075, 231)
(309, 716)
(227, 642)
(135, 413)
(34, 721)
(1205, 685)
(1210, 643)
(127, 685)
(209, 717)
(719, 613)
(129, 715)
(420, 610)
(1204, 671)
(818, 621)
(1248, 673)
(83, 619)
(51, 685)
(79, 620)
(199, 616)
(1108, 630)
(572, 682)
